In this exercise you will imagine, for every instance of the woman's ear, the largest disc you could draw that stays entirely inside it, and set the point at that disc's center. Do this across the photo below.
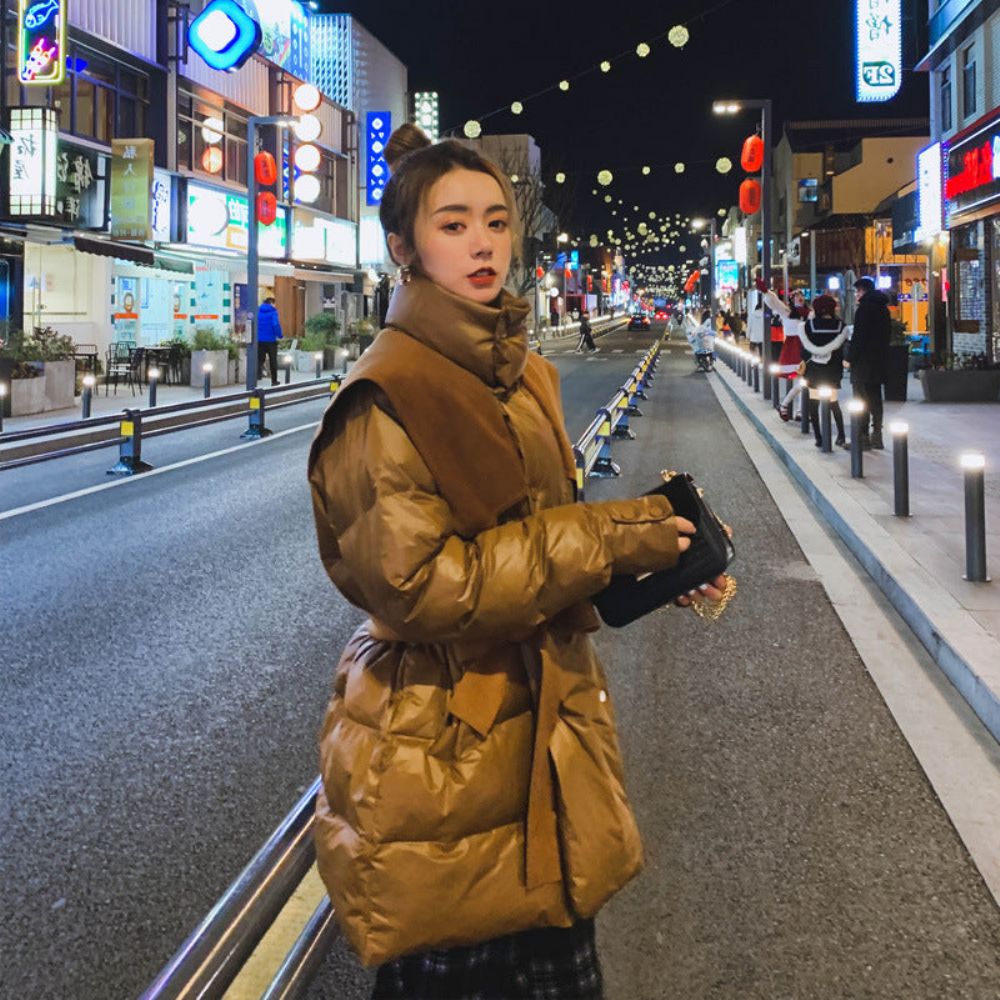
(398, 250)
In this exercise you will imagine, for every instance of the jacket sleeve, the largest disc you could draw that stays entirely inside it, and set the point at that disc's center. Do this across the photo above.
(393, 549)
(776, 305)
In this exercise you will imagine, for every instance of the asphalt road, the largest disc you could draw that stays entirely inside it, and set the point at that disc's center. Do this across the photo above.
(167, 652)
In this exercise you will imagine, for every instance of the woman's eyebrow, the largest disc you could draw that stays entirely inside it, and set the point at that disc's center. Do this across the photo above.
(465, 208)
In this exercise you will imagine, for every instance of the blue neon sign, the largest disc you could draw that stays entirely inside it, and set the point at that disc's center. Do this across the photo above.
(379, 127)
(878, 49)
(224, 35)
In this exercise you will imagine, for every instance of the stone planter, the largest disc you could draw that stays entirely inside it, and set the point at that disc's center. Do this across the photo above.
(219, 360)
(960, 386)
(304, 361)
(897, 373)
(60, 384)
(27, 395)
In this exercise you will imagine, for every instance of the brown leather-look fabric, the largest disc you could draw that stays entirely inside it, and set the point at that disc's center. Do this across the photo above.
(472, 782)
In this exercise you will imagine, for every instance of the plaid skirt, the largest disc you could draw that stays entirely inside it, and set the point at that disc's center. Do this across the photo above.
(552, 963)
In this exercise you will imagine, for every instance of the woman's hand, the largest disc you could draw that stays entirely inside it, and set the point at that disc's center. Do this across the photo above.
(711, 591)
(684, 529)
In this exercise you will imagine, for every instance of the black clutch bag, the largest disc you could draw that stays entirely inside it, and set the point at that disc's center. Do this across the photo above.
(629, 597)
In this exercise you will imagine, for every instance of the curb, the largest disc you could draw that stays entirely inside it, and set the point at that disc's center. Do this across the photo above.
(964, 675)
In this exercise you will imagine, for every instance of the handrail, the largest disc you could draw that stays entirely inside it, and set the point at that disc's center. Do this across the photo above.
(209, 960)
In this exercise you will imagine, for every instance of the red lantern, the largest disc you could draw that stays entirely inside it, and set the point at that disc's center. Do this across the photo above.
(692, 282)
(265, 169)
(750, 195)
(539, 272)
(267, 208)
(752, 158)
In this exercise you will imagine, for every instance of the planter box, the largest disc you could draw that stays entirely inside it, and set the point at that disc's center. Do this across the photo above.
(304, 361)
(960, 386)
(219, 361)
(60, 384)
(27, 395)
(897, 374)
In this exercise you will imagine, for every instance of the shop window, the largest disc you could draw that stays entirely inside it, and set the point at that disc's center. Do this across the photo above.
(210, 140)
(969, 81)
(946, 119)
(994, 226)
(809, 189)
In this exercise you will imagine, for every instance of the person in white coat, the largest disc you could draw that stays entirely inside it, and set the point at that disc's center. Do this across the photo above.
(755, 324)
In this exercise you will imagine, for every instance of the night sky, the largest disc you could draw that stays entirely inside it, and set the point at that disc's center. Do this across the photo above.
(655, 111)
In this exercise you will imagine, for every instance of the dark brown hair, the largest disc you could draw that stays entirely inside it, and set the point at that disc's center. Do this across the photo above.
(417, 166)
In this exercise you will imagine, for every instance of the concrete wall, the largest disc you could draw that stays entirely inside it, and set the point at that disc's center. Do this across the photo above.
(886, 166)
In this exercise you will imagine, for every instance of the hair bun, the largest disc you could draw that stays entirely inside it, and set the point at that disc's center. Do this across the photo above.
(406, 139)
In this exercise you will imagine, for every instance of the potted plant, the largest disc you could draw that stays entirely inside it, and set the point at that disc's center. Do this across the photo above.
(41, 369)
(360, 333)
(960, 378)
(208, 347)
(183, 348)
(322, 334)
(899, 362)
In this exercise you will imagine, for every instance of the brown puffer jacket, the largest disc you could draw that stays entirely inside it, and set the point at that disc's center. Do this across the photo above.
(472, 781)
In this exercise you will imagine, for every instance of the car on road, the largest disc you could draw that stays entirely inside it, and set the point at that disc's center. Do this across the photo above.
(661, 314)
(638, 321)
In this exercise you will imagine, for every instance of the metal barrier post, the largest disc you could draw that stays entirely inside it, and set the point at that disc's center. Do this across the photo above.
(88, 395)
(581, 472)
(130, 450)
(629, 389)
(774, 371)
(154, 378)
(288, 368)
(257, 428)
(974, 464)
(756, 375)
(604, 467)
(856, 408)
(318, 358)
(804, 415)
(621, 430)
(900, 468)
(640, 388)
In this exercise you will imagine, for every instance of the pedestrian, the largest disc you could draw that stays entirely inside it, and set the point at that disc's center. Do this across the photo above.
(868, 354)
(823, 336)
(472, 818)
(755, 327)
(268, 335)
(736, 324)
(586, 336)
(676, 326)
(793, 318)
(701, 337)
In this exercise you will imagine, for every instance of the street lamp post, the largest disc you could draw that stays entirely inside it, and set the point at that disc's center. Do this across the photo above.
(253, 259)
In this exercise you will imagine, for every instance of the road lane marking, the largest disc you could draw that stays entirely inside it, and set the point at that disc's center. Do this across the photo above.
(53, 501)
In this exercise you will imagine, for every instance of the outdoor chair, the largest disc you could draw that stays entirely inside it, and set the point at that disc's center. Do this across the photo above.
(118, 365)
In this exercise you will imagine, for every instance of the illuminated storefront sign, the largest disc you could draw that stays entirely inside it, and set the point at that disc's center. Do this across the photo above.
(372, 241)
(973, 179)
(131, 189)
(426, 110)
(33, 161)
(41, 42)
(379, 127)
(727, 275)
(221, 219)
(330, 240)
(80, 186)
(161, 206)
(929, 192)
(878, 49)
(740, 244)
(224, 35)
(284, 26)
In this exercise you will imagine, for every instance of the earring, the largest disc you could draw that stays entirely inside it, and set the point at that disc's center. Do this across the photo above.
(405, 273)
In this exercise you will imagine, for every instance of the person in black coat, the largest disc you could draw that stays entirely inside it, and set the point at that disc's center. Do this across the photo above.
(823, 336)
(586, 336)
(869, 356)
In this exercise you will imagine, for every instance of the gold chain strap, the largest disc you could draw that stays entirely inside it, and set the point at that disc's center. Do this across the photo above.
(710, 611)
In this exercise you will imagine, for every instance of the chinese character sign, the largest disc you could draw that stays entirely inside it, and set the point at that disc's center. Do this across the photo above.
(41, 42)
(33, 161)
(878, 49)
(131, 189)
(80, 186)
(379, 127)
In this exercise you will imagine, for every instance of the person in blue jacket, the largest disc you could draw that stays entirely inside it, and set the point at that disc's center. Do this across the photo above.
(268, 335)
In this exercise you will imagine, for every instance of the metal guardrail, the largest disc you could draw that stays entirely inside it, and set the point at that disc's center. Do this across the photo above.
(206, 965)
(130, 422)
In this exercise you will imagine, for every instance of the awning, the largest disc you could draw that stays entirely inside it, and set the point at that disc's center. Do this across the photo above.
(119, 251)
(329, 277)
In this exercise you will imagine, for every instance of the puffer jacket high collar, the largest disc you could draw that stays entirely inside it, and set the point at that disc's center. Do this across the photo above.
(488, 340)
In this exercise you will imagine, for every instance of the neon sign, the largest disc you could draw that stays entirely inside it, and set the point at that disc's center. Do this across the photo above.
(878, 49)
(929, 192)
(41, 42)
(974, 170)
(379, 127)
(224, 35)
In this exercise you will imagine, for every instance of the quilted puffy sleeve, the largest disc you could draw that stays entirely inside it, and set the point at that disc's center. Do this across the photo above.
(389, 542)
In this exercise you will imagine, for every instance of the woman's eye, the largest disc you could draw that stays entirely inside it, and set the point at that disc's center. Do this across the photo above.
(453, 227)
(499, 225)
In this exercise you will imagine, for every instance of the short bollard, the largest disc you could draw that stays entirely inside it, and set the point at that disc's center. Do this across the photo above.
(856, 408)
(88, 395)
(749, 370)
(826, 434)
(318, 358)
(804, 413)
(287, 362)
(776, 382)
(766, 380)
(154, 378)
(974, 464)
(257, 428)
(900, 432)
(756, 375)
(741, 366)
(207, 369)
(130, 460)
(3, 403)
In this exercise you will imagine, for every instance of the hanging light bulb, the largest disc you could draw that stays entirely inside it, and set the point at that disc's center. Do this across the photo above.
(307, 158)
(605, 177)
(723, 164)
(564, 85)
(642, 50)
(607, 199)
(472, 129)
(678, 36)
(516, 108)
(605, 66)
(645, 171)
(560, 178)
(679, 168)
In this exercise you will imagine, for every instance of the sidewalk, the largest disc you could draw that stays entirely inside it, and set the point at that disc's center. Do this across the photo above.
(916, 562)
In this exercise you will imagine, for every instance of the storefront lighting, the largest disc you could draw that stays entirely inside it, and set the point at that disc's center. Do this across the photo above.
(212, 159)
(306, 97)
(307, 158)
(307, 128)
(224, 35)
(307, 188)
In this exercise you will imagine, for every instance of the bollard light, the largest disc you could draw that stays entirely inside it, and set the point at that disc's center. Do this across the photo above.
(318, 358)
(775, 370)
(804, 412)
(856, 409)
(756, 375)
(88, 395)
(288, 368)
(207, 369)
(900, 467)
(154, 381)
(826, 434)
(974, 466)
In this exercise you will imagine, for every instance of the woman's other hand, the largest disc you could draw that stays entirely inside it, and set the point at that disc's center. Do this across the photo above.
(684, 530)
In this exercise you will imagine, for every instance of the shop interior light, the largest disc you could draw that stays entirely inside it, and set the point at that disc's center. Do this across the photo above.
(307, 128)
(212, 130)
(307, 97)
(212, 159)
(307, 158)
(306, 188)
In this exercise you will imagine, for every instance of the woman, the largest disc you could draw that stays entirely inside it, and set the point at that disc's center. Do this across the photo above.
(823, 338)
(793, 319)
(472, 818)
